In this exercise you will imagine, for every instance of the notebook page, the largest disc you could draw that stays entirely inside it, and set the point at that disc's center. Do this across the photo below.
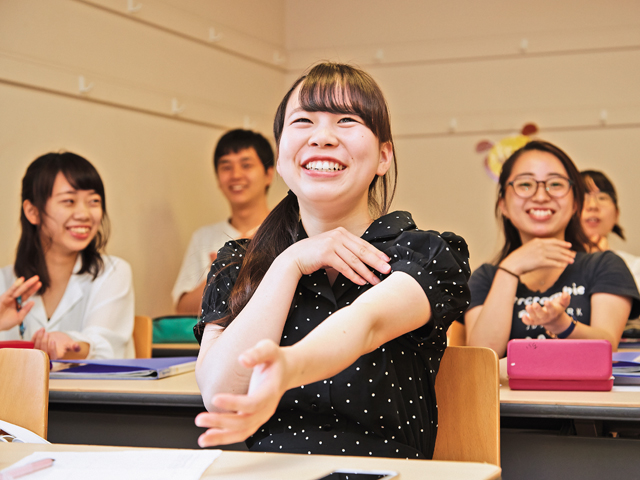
(151, 464)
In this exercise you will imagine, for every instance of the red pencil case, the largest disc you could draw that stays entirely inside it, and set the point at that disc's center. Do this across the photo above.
(559, 365)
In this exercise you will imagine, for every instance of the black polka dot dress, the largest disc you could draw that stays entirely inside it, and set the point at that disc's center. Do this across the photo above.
(384, 404)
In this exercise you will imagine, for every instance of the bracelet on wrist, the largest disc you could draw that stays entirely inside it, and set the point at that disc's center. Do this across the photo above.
(509, 272)
(565, 333)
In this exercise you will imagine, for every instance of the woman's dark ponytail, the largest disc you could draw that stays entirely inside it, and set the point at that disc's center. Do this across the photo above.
(278, 231)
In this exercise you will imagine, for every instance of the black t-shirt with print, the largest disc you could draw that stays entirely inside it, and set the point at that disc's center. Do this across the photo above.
(601, 272)
(384, 403)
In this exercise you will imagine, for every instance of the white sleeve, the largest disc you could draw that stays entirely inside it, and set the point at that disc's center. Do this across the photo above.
(109, 316)
(195, 265)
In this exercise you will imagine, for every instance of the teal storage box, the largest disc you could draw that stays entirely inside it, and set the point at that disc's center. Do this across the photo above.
(174, 329)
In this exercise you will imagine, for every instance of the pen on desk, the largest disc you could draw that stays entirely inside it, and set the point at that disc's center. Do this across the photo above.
(26, 469)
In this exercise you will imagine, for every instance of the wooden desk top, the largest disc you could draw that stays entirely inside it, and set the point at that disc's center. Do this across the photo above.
(250, 465)
(622, 403)
(618, 397)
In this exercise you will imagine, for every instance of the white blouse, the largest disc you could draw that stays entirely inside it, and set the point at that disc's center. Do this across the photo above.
(99, 312)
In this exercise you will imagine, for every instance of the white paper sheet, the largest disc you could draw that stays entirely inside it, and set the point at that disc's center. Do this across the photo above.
(151, 464)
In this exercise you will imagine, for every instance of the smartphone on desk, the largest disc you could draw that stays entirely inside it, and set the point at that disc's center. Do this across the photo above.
(359, 475)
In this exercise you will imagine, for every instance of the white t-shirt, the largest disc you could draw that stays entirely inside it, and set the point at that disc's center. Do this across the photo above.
(197, 262)
(633, 263)
(99, 312)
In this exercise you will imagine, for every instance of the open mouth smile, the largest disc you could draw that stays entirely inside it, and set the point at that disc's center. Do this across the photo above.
(324, 166)
(540, 213)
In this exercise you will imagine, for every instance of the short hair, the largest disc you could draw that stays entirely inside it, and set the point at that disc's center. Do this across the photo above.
(235, 140)
(37, 187)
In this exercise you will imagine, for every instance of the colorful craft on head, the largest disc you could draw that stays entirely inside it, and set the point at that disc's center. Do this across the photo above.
(498, 152)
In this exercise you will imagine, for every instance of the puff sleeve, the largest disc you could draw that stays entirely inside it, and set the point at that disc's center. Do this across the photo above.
(220, 281)
(440, 264)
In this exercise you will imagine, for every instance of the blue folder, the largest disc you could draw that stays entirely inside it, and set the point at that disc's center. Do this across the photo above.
(122, 369)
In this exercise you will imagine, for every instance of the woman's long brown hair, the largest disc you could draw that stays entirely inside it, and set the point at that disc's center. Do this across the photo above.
(327, 87)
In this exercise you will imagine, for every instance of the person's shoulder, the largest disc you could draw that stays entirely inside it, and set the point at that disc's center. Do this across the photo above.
(212, 229)
(404, 222)
(233, 250)
(115, 264)
(598, 260)
(629, 258)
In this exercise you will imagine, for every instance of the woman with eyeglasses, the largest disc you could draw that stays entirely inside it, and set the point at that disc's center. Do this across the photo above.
(544, 284)
(600, 215)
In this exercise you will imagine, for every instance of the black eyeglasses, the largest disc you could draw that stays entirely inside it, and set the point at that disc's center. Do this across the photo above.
(556, 187)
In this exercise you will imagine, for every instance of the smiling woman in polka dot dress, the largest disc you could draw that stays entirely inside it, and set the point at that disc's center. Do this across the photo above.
(325, 332)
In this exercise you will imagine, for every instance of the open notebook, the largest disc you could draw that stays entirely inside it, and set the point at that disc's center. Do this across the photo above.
(123, 369)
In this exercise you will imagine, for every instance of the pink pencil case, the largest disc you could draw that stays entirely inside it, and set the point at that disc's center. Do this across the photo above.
(559, 365)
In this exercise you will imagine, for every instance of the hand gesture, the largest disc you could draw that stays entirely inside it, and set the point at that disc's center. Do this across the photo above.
(552, 314)
(54, 344)
(12, 311)
(539, 253)
(341, 250)
(240, 416)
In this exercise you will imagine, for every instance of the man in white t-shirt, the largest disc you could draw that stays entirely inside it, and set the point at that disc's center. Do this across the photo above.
(243, 162)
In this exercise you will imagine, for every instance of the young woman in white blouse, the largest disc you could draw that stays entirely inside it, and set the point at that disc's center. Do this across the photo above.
(324, 333)
(75, 302)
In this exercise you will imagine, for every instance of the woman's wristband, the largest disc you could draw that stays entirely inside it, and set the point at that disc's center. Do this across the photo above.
(509, 272)
(564, 334)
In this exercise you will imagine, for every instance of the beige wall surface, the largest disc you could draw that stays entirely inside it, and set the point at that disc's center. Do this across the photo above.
(169, 77)
(459, 72)
(156, 166)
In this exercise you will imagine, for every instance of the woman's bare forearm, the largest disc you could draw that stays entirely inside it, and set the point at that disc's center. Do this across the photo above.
(491, 327)
(396, 306)
(217, 369)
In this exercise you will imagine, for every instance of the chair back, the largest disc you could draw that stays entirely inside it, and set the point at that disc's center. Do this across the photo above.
(24, 389)
(142, 334)
(467, 391)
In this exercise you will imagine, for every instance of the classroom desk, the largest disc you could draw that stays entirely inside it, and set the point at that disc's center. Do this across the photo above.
(560, 435)
(153, 413)
(544, 434)
(266, 466)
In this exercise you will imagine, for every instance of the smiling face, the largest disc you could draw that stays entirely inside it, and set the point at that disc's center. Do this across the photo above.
(242, 177)
(71, 218)
(599, 213)
(329, 159)
(540, 216)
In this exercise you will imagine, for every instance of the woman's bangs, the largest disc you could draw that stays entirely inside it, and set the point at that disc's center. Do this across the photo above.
(334, 95)
(83, 177)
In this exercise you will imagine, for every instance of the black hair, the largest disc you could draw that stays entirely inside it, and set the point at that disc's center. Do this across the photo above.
(573, 232)
(602, 183)
(235, 140)
(327, 87)
(37, 187)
